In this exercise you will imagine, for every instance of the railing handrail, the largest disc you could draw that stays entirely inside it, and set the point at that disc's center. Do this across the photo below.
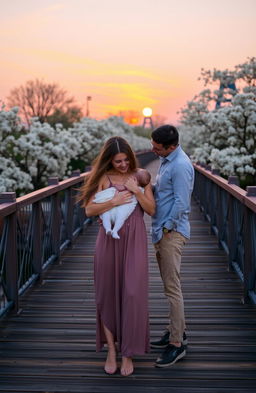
(233, 189)
(35, 196)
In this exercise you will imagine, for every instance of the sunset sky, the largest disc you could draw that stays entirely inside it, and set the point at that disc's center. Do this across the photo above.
(124, 54)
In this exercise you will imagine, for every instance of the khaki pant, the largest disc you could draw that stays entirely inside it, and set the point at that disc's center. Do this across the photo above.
(168, 254)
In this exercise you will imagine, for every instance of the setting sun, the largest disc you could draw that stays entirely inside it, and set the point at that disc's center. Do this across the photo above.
(147, 112)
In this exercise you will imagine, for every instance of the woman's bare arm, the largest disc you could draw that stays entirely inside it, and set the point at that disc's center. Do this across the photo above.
(95, 209)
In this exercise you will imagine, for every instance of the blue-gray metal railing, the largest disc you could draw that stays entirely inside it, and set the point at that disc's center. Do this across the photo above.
(34, 229)
(231, 212)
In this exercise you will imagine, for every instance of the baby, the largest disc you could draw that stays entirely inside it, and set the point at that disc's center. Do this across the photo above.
(114, 218)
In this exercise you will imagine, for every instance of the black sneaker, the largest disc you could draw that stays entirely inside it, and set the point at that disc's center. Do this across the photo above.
(184, 340)
(164, 340)
(170, 355)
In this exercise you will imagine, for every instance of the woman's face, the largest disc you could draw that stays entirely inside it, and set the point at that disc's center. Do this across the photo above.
(121, 162)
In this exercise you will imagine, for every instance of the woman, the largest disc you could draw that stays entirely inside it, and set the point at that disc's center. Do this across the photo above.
(120, 265)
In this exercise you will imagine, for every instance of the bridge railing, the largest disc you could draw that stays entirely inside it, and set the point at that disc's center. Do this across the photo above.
(231, 212)
(35, 229)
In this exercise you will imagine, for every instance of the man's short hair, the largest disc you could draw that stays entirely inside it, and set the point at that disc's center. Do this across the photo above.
(166, 135)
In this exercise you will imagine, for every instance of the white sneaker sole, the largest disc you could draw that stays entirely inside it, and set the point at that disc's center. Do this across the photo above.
(181, 355)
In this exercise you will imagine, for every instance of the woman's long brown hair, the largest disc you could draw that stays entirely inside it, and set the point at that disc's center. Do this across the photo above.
(103, 163)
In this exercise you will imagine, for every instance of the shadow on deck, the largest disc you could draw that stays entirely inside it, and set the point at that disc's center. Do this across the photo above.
(50, 345)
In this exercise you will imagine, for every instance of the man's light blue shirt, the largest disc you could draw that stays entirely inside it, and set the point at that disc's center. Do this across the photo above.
(173, 188)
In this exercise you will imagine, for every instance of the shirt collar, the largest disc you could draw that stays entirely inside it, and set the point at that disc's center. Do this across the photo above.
(172, 155)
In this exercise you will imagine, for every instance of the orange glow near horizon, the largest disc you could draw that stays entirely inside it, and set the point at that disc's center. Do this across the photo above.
(122, 66)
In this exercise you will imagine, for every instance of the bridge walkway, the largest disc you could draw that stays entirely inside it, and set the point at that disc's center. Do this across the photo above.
(49, 346)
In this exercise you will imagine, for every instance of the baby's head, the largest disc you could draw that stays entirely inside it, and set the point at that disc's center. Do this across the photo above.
(143, 177)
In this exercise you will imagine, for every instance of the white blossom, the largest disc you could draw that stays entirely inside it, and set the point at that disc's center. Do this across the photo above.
(30, 156)
(12, 178)
(225, 138)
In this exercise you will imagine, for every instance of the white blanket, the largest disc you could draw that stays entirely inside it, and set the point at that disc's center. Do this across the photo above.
(114, 218)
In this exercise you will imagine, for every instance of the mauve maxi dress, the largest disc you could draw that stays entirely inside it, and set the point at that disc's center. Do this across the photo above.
(121, 285)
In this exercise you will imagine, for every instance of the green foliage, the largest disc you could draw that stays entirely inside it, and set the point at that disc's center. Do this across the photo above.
(77, 164)
(65, 117)
(141, 131)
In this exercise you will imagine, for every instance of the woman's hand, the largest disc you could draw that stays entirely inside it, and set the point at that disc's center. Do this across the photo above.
(132, 185)
(95, 209)
(121, 197)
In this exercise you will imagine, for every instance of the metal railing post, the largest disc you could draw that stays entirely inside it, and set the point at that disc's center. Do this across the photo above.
(56, 218)
(37, 239)
(11, 259)
(249, 258)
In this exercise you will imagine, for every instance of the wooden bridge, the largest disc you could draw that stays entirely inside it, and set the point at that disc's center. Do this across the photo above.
(47, 340)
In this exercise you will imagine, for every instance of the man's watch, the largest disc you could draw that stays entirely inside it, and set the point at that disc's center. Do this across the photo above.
(166, 230)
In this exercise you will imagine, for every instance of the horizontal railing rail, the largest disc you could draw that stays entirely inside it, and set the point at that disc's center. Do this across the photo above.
(231, 212)
(36, 228)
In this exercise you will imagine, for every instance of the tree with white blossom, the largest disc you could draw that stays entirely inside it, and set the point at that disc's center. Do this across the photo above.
(28, 156)
(12, 177)
(225, 138)
(231, 146)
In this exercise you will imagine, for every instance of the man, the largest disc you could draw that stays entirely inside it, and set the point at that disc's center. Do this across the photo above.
(170, 230)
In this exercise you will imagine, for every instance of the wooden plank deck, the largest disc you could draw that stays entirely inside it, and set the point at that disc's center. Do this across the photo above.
(50, 345)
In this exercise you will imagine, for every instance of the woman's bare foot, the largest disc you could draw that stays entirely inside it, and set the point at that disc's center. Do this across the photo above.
(126, 366)
(111, 365)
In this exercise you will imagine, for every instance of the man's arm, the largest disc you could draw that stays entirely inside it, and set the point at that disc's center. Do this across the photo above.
(182, 178)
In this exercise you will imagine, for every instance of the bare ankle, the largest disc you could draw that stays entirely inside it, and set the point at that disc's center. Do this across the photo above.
(110, 364)
(176, 344)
